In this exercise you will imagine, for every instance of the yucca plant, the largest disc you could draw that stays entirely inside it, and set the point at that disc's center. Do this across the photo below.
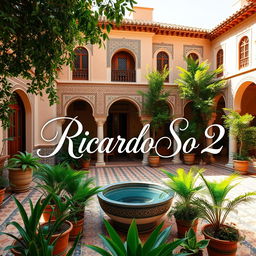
(185, 187)
(191, 245)
(216, 210)
(31, 239)
(24, 161)
(155, 245)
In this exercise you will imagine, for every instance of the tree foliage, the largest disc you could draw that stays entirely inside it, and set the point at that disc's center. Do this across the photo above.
(38, 37)
(155, 99)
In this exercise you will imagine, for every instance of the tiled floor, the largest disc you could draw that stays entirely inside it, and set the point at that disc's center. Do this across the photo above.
(245, 219)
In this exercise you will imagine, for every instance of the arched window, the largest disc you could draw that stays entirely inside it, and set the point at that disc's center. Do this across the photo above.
(193, 56)
(123, 67)
(219, 60)
(80, 71)
(244, 52)
(162, 61)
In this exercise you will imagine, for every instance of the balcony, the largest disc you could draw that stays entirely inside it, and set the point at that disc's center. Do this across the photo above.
(123, 75)
(80, 74)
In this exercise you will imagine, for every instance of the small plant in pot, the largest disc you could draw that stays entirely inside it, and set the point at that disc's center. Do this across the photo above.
(78, 194)
(184, 184)
(21, 168)
(192, 246)
(53, 180)
(192, 131)
(238, 124)
(4, 183)
(223, 238)
(31, 239)
(85, 161)
(155, 245)
(155, 105)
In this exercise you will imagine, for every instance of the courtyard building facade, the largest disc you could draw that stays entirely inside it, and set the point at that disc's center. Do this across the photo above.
(102, 87)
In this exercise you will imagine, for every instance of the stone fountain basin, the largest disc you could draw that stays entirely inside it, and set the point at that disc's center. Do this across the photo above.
(147, 203)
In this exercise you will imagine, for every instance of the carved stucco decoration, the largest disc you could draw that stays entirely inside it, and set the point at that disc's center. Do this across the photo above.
(193, 48)
(109, 99)
(115, 44)
(167, 47)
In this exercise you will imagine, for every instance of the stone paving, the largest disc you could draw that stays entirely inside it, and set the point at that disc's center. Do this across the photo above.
(244, 217)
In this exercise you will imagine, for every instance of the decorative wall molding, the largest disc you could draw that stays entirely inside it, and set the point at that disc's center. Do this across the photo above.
(193, 48)
(90, 47)
(167, 47)
(115, 44)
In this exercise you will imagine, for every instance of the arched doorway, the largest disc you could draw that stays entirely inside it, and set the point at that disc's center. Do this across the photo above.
(123, 67)
(17, 129)
(123, 119)
(223, 155)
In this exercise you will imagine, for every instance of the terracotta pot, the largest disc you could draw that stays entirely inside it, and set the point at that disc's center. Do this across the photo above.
(50, 211)
(241, 166)
(2, 193)
(78, 228)
(61, 246)
(20, 180)
(86, 164)
(184, 225)
(200, 253)
(154, 161)
(189, 158)
(2, 160)
(219, 247)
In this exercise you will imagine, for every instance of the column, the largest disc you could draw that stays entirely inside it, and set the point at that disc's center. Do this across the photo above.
(100, 135)
(145, 119)
(231, 150)
(176, 158)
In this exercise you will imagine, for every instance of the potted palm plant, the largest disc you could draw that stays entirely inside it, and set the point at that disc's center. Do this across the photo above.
(223, 238)
(192, 246)
(21, 168)
(155, 245)
(191, 131)
(53, 180)
(33, 240)
(79, 191)
(155, 106)
(184, 184)
(200, 85)
(238, 124)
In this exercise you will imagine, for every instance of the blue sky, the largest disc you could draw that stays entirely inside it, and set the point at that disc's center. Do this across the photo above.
(196, 13)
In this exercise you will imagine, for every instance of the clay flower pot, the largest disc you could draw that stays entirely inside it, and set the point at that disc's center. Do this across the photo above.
(2, 193)
(241, 166)
(154, 161)
(219, 247)
(20, 180)
(189, 158)
(61, 246)
(78, 227)
(14, 252)
(184, 225)
(85, 164)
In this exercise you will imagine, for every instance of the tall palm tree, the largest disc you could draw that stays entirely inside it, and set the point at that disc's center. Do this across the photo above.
(200, 85)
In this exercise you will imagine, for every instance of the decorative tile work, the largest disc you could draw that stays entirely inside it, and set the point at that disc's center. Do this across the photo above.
(193, 48)
(245, 219)
(167, 47)
(114, 44)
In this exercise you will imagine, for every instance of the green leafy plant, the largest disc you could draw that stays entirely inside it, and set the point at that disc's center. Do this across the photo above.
(238, 125)
(199, 84)
(220, 206)
(54, 27)
(24, 161)
(191, 245)
(4, 141)
(184, 184)
(154, 246)
(155, 100)
(31, 240)
(4, 183)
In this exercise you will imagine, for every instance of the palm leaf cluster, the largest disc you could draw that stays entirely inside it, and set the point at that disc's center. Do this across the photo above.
(155, 245)
(198, 84)
(217, 209)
